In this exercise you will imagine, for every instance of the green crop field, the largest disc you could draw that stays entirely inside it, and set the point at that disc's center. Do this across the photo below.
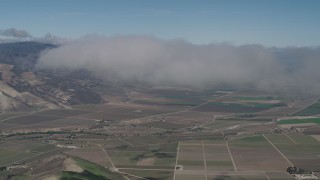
(237, 107)
(304, 139)
(314, 109)
(300, 121)
(279, 139)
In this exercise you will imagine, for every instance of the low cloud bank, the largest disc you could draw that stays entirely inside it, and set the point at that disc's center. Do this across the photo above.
(177, 62)
(18, 35)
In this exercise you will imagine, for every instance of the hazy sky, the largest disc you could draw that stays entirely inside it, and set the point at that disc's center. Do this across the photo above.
(266, 22)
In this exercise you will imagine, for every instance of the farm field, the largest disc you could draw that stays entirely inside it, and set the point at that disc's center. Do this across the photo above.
(256, 154)
(301, 150)
(293, 107)
(93, 153)
(150, 174)
(229, 140)
(311, 110)
(90, 171)
(300, 121)
(217, 157)
(236, 107)
(23, 150)
(191, 157)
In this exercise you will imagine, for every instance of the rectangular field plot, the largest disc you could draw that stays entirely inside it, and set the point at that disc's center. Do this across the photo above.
(279, 139)
(124, 144)
(256, 154)
(303, 139)
(313, 109)
(188, 118)
(218, 158)
(304, 153)
(150, 174)
(190, 177)
(143, 159)
(237, 176)
(226, 175)
(218, 141)
(279, 176)
(191, 157)
(300, 121)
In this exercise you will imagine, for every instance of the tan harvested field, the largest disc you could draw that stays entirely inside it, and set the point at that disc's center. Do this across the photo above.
(70, 165)
(256, 154)
(189, 118)
(146, 162)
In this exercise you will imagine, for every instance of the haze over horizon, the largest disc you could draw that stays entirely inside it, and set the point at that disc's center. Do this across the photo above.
(269, 23)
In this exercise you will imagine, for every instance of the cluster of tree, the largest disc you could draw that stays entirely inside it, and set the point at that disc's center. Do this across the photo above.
(295, 170)
(3, 168)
